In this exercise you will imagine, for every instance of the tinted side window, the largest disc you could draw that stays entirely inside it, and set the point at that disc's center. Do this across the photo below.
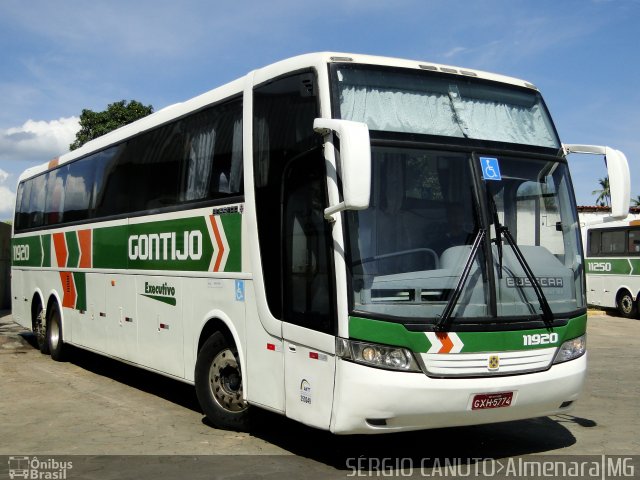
(37, 201)
(54, 203)
(634, 242)
(17, 221)
(152, 168)
(79, 187)
(594, 242)
(111, 192)
(212, 165)
(613, 241)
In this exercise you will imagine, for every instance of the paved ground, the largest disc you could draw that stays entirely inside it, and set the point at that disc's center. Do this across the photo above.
(96, 406)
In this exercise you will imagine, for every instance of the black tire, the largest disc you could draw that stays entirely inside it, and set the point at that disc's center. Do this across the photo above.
(55, 339)
(39, 329)
(626, 306)
(218, 379)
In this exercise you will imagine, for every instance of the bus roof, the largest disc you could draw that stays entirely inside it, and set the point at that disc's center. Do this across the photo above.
(311, 60)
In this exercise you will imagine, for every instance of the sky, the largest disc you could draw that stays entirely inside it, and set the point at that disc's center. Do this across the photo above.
(57, 58)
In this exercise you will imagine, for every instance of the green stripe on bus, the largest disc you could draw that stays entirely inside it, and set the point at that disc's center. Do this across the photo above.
(232, 230)
(388, 333)
(26, 252)
(73, 248)
(110, 247)
(80, 280)
(396, 334)
(613, 266)
(46, 250)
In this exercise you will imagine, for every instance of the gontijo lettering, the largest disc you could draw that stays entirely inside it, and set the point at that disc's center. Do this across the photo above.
(165, 246)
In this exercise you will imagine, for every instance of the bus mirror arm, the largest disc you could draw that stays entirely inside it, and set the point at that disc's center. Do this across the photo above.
(354, 162)
(618, 172)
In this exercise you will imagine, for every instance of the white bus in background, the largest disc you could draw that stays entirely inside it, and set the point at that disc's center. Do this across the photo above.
(362, 244)
(613, 265)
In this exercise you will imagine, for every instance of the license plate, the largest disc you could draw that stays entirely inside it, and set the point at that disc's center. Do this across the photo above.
(491, 400)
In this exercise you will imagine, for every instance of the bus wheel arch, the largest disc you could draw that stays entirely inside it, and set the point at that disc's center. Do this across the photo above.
(626, 304)
(38, 322)
(218, 377)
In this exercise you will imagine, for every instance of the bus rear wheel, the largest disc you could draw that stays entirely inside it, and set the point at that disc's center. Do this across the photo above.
(626, 305)
(55, 341)
(40, 329)
(218, 379)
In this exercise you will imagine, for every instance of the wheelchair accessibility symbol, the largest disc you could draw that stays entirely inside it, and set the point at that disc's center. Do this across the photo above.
(239, 290)
(490, 168)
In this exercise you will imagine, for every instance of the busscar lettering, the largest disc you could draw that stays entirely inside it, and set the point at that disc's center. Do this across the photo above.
(166, 246)
(545, 282)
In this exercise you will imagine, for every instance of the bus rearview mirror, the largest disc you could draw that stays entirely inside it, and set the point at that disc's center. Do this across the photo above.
(618, 172)
(354, 162)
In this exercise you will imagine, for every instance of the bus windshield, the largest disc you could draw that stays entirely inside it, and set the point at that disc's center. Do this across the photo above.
(408, 249)
(420, 102)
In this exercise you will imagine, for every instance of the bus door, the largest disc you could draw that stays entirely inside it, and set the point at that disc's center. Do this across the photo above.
(295, 244)
(308, 307)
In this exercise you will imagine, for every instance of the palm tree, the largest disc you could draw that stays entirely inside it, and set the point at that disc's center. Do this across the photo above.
(636, 201)
(604, 194)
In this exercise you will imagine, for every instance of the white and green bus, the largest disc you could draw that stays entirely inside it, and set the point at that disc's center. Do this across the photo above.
(362, 244)
(613, 265)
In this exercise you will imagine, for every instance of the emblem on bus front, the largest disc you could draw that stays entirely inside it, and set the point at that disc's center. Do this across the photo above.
(494, 363)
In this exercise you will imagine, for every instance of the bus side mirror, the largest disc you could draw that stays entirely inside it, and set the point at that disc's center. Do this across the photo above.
(619, 182)
(618, 172)
(355, 162)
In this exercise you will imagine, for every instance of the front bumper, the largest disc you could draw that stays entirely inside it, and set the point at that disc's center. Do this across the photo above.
(369, 400)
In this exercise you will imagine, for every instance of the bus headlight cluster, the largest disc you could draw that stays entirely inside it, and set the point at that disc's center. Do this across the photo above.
(571, 349)
(376, 355)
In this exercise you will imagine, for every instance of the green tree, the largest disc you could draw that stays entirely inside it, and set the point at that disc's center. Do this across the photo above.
(95, 124)
(636, 201)
(604, 194)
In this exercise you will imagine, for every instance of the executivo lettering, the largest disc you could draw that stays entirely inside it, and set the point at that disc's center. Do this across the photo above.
(164, 246)
(164, 293)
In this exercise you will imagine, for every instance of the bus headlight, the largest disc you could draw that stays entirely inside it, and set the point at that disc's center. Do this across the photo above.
(376, 355)
(571, 349)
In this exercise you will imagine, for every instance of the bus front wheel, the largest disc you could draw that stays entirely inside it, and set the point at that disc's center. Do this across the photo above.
(218, 379)
(626, 305)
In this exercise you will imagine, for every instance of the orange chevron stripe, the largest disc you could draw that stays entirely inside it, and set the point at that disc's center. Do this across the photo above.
(60, 246)
(69, 290)
(216, 233)
(447, 344)
(84, 240)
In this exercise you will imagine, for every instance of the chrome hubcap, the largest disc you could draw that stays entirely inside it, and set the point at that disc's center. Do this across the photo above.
(627, 304)
(225, 382)
(54, 333)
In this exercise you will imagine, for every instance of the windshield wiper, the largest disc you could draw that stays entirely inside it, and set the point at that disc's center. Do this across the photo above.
(547, 314)
(443, 321)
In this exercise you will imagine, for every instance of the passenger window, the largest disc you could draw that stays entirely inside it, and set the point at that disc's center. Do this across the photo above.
(79, 188)
(37, 201)
(55, 196)
(212, 165)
